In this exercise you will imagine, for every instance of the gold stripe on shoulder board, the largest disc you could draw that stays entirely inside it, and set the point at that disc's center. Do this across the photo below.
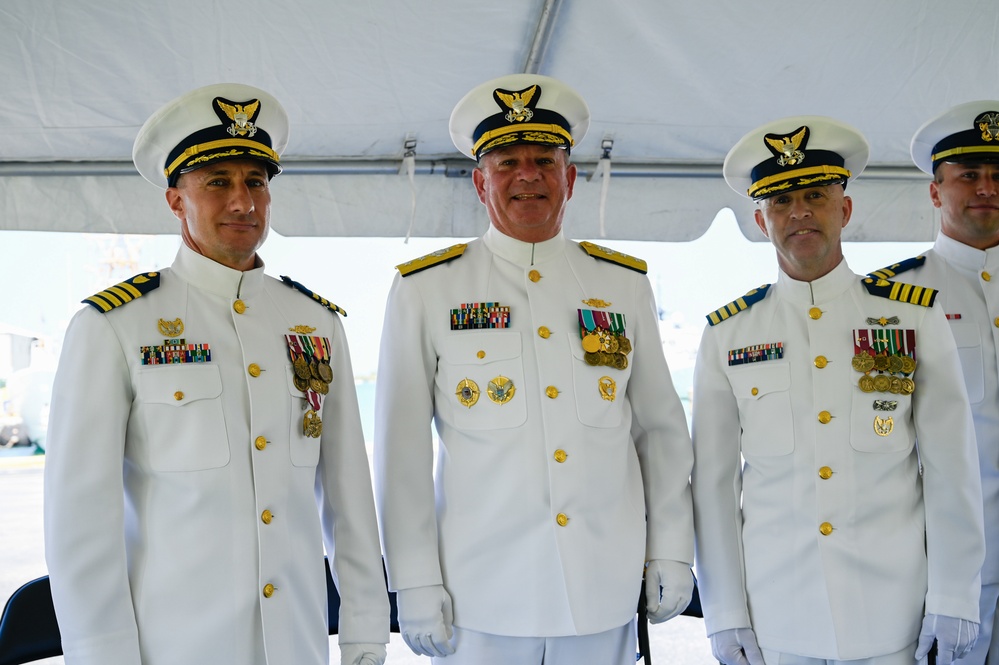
(607, 254)
(900, 291)
(431, 260)
(123, 292)
(737, 305)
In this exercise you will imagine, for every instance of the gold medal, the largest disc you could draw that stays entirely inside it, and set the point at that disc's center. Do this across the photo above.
(866, 383)
(894, 364)
(620, 361)
(592, 358)
(908, 386)
(325, 371)
(302, 368)
(895, 386)
(883, 426)
(501, 390)
(591, 343)
(300, 383)
(467, 392)
(882, 383)
(607, 388)
(314, 368)
(624, 344)
(881, 363)
(863, 362)
(908, 365)
(319, 386)
(312, 424)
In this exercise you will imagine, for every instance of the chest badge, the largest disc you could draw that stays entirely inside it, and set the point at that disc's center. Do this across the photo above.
(467, 392)
(608, 388)
(883, 426)
(173, 328)
(501, 389)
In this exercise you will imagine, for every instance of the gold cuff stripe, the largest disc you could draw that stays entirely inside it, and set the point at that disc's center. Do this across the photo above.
(529, 127)
(964, 151)
(798, 173)
(199, 148)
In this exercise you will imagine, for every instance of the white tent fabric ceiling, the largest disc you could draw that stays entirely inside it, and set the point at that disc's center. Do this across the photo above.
(673, 85)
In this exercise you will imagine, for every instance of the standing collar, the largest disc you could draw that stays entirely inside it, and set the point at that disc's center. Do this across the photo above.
(966, 256)
(523, 253)
(825, 288)
(214, 277)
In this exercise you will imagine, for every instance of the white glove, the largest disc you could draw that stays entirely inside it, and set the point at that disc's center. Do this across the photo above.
(362, 654)
(677, 583)
(955, 637)
(736, 646)
(425, 619)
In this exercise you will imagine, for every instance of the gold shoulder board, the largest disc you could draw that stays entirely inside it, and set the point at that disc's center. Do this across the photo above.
(900, 291)
(431, 260)
(333, 307)
(605, 254)
(124, 292)
(894, 269)
(738, 305)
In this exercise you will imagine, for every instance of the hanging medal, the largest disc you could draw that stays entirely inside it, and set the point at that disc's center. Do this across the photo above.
(310, 360)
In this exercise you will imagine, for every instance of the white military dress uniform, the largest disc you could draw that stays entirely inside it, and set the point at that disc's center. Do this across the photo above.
(188, 486)
(209, 548)
(836, 489)
(825, 556)
(963, 275)
(537, 524)
(967, 279)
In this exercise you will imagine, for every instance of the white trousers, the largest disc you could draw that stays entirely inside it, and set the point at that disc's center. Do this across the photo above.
(613, 647)
(903, 657)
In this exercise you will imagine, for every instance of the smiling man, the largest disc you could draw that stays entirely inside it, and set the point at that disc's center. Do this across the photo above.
(199, 415)
(835, 481)
(564, 456)
(960, 149)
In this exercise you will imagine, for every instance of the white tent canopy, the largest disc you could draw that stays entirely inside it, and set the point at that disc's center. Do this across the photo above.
(671, 87)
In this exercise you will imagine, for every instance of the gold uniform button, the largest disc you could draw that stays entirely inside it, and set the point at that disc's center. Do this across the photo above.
(266, 517)
(269, 590)
(815, 313)
(534, 276)
(239, 306)
(544, 333)
(560, 455)
(820, 361)
(179, 395)
(480, 355)
(825, 473)
(755, 392)
(825, 528)
(996, 322)
(551, 391)
(825, 417)
(254, 369)
(986, 276)
(562, 519)
(260, 442)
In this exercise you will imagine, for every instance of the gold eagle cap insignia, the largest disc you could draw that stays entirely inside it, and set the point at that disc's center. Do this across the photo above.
(241, 116)
(788, 148)
(517, 101)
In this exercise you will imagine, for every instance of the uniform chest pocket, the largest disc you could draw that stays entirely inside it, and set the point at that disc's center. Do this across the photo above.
(763, 392)
(490, 366)
(968, 337)
(181, 409)
(599, 390)
(304, 450)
